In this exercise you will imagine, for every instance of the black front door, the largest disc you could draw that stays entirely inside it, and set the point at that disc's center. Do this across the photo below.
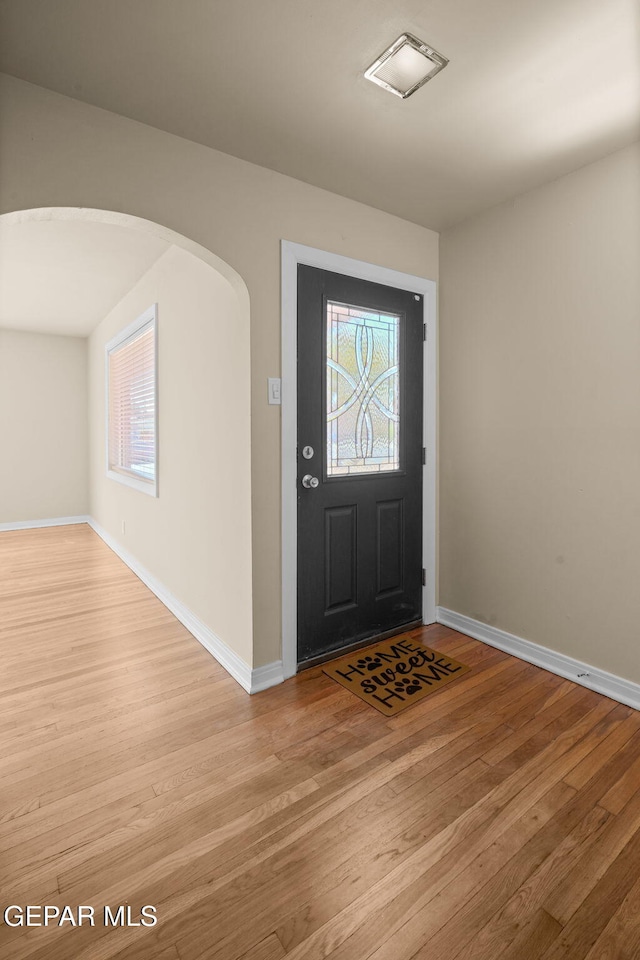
(360, 368)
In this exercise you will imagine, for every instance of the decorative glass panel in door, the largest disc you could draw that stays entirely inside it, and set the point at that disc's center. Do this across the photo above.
(363, 391)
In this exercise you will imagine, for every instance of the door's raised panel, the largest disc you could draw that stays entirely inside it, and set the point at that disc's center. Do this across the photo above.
(389, 547)
(340, 557)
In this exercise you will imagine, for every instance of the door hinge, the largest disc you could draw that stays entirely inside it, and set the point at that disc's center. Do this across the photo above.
(424, 577)
(424, 456)
(424, 331)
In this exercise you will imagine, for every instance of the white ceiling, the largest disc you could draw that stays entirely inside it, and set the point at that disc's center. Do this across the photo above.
(63, 277)
(534, 88)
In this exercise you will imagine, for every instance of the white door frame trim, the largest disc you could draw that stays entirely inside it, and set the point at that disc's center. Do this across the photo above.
(292, 255)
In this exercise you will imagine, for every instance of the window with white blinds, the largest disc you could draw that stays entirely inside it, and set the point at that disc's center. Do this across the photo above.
(132, 406)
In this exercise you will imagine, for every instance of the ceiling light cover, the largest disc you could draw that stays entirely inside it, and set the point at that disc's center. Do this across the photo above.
(405, 66)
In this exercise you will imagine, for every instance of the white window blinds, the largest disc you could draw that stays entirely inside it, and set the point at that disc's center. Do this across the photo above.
(132, 405)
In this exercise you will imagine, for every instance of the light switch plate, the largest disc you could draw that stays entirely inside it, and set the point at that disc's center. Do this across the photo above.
(274, 390)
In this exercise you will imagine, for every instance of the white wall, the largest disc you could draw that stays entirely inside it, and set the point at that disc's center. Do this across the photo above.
(43, 426)
(55, 151)
(195, 537)
(540, 415)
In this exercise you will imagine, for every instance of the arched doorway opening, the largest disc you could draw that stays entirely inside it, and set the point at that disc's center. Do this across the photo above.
(191, 544)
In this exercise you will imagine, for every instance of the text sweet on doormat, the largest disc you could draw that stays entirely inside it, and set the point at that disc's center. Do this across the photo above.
(395, 673)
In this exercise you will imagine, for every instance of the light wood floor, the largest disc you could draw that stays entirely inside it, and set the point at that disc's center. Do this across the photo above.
(499, 819)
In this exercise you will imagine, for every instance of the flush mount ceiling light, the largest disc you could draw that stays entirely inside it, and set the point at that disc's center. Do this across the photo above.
(406, 65)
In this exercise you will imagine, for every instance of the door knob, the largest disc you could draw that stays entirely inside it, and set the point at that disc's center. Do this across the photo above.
(309, 482)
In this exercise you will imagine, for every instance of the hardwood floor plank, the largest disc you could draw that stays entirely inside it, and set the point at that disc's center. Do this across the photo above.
(533, 939)
(590, 920)
(498, 819)
(624, 789)
(268, 949)
(620, 939)
(516, 809)
(389, 919)
(573, 700)
(524, 906)
(484, 886)
(566, 897)
(586, 769)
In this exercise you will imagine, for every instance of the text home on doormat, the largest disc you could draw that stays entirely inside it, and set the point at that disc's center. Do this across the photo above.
(394, 674)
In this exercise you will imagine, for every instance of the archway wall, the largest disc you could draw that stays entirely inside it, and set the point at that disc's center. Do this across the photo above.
(195, 537)
(55, 151)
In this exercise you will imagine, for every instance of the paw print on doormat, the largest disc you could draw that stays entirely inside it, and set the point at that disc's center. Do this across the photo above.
(369, 663)
(407, 686)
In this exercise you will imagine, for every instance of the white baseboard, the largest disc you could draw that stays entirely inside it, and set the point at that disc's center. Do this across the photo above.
(252, 680)
(32, 524)
(267, 676)
(617, 688)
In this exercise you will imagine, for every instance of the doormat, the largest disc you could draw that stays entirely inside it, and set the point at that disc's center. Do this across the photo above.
(395, 673)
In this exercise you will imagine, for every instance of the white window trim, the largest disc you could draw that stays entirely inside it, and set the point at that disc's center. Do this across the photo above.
(147, 319)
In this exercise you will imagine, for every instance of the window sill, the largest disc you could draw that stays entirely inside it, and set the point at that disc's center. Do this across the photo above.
(144, 486)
